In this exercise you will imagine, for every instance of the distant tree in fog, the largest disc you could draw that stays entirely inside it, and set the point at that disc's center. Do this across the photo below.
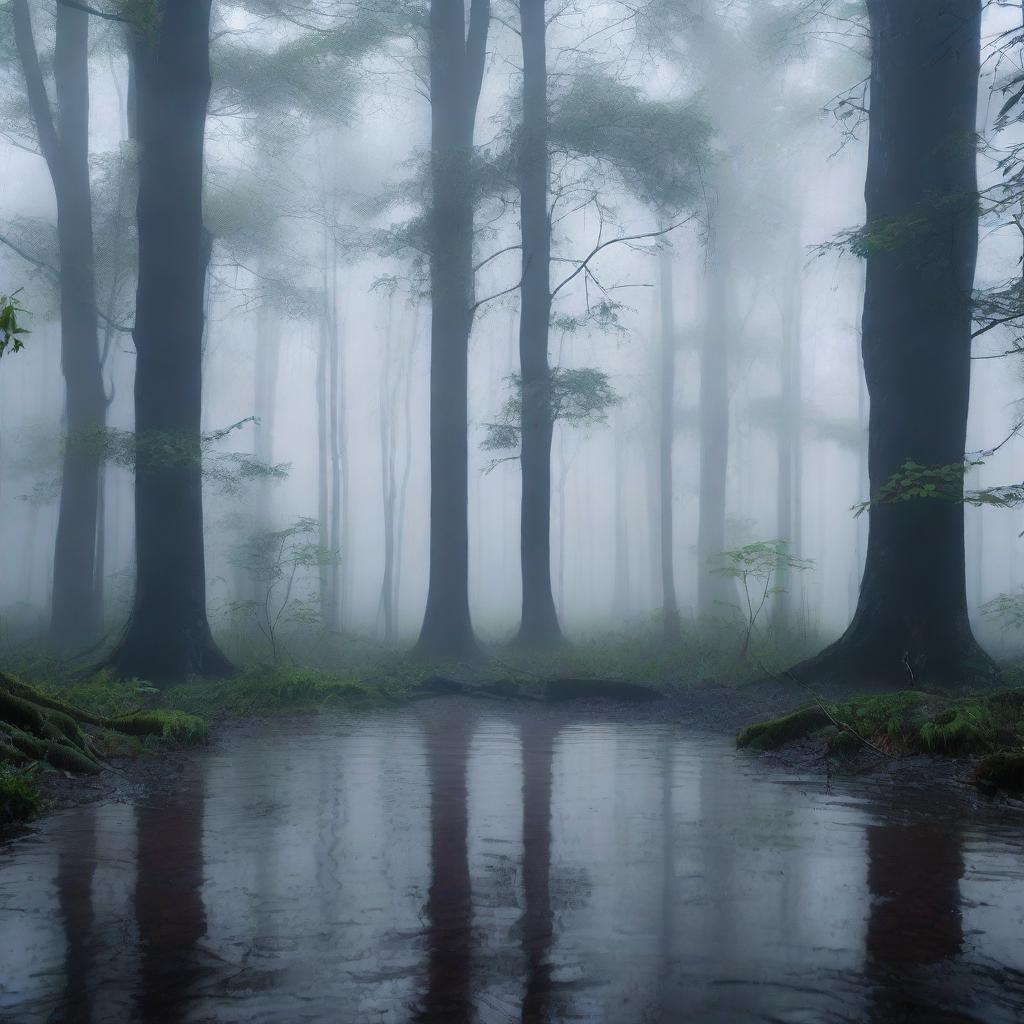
(62, 131)
(457, 59)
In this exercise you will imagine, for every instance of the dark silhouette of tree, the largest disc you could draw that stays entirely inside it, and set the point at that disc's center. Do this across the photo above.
(63, 134)
(538, 626)
(666, 437)
(456, 75)
(920, 243)
(168, 635)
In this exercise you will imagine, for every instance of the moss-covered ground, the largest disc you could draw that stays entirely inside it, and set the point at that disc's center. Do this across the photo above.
(988, 726)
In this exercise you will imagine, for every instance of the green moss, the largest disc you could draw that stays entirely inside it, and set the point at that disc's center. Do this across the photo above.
(777, 732)
(907, 722)
(271, 690)
(175, 727)
(1004, 770)
(19, 798)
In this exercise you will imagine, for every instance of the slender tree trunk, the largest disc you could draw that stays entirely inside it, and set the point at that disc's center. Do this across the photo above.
(322, 483)
(64, 141)
(539, 625)
(790, 497)
(456, 73)
(714, 593)
(168, 636)
(391, 378)
(620, 583)
(666, 434)
(334, 407)
(268, 359)
(911, 622)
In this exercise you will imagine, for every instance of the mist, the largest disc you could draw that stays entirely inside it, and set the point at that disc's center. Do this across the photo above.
(533, 398)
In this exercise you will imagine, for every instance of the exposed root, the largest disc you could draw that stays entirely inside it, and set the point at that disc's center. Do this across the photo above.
(36, 728)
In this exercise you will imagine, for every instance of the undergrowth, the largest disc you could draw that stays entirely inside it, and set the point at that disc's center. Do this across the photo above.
(905, 722)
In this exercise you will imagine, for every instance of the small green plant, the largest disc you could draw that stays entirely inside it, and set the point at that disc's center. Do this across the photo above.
(11, 331)
(756, 567)
(278, 562)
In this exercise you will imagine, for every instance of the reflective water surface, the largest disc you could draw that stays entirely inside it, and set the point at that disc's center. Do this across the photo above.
(456, 863)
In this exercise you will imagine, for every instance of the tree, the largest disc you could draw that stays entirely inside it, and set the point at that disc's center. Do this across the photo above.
(63, 135)
(666, 436)
(538, 626)
(168, 634)
(920, 244)
(456, 76)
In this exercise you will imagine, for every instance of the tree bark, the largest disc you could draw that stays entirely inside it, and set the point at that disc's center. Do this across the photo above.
(539, 628)
(666, 434)
(168, 635)
(456, 73)
(64, 141)
(911, 623)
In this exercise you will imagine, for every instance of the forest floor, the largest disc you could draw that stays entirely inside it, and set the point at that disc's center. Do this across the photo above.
(702, 685)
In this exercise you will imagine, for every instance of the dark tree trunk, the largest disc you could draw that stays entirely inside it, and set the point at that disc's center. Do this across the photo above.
(456, 73)
(539, 626)
(168, 636)
(666, 433)
(911, 620)
(715, 594)
(64, 141)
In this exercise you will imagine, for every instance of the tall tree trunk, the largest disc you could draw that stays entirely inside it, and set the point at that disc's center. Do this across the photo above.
(392, 372)
(714, 593)
(911, 622)
(620, 581)
(64, 141)
(322, 464)
(334, 426)
(456, 74)
(666, 434)
(268, 359)
(539, 625)
(168, 636)
(790, 491)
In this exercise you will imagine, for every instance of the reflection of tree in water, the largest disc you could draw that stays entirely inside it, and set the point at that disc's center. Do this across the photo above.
(448, 997)
(76, 867)
(537, 923)
(169, 907)
(914, 874)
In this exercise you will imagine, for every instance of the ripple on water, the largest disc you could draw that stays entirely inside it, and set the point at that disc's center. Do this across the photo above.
(455, 863)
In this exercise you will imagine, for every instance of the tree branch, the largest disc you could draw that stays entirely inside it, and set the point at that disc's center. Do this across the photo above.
(35, 87)
(106, 15)
(584, 264)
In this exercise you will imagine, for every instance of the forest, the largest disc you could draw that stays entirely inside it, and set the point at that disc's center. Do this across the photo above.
(511, 510)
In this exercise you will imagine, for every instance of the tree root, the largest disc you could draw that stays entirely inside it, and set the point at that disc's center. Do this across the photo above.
(36, 728)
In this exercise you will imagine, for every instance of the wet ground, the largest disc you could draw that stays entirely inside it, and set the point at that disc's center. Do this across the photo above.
(461, 862)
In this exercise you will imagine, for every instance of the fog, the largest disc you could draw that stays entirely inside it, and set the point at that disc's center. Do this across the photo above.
(300, 199)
